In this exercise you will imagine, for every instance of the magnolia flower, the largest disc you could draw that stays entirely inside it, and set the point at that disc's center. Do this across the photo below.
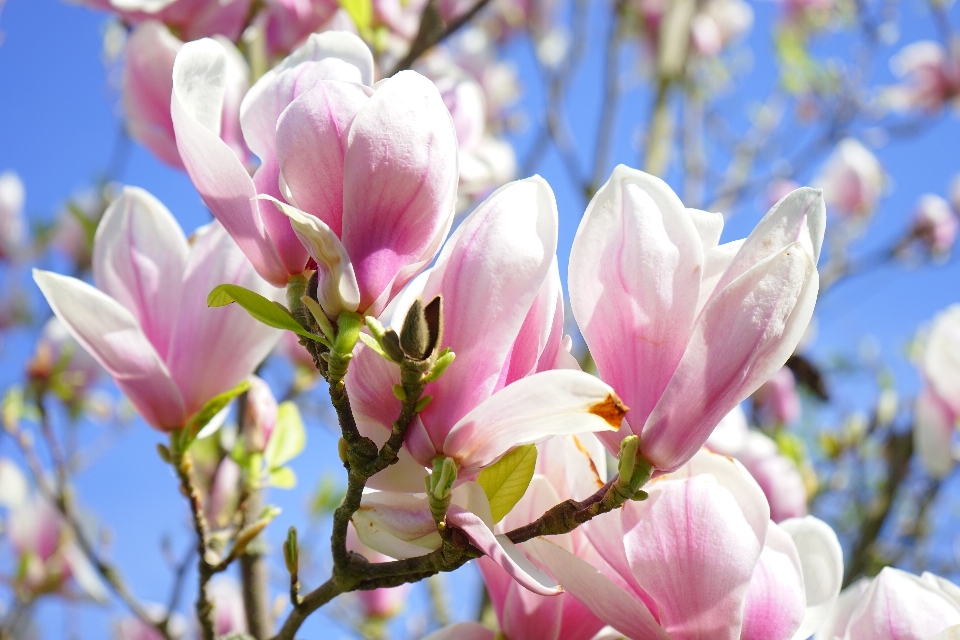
(12, 223)
(776, 474)
(682, 328)
(503, 389)
(851, 179)
(260, 415)
(367, 177)
(286, 23)
(718, 24)
(148, 84)
(700, 558)
(930, 74)
(777, 400)
(57, 353)
(935, 224)
(47, 555)
(500, 391)
(895, 605)
(228, 612)
(938, 407)
(148, 323)
(192, 18)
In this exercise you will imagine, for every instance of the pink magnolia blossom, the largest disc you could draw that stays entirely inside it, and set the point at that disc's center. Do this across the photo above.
(224, 492)
(852, 180)
(895, 605)
(58, 353)
(500, 391)
(287, 23)
(930, 74)
(935, 224)
(777, 400)
(681, 327)
(260, 415)
(148, 323)
(148, 84)
(776, 474)
(13, 229)
(192, 18)
(718, 24)
(937, 409)
(700, 558)
(228, 612)
(462, 631)
(363, 181)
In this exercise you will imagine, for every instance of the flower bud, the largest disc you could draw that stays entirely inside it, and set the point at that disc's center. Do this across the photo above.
(935, 224)
(260, 415)
(12, 228)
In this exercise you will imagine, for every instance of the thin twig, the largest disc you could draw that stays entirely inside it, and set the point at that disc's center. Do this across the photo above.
(427, 38)
(204, 608)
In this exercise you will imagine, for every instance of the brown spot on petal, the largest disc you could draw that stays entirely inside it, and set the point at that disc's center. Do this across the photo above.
(612, 410)
(593, 467)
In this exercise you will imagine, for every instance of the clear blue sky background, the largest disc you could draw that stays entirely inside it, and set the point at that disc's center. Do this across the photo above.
(58, 126)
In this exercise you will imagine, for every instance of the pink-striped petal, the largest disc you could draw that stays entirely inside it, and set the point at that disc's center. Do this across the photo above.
(199, 86)
(400, 184)
(603, 597)
(111, 335)
(550, 403)
(774, 607)
(504, 248)
(311, 143)
(213, 349)
(743, 336)
(634, 279)
(821, 559)
(139, 257)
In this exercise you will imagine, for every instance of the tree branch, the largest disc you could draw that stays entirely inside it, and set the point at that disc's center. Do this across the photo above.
(428, 36)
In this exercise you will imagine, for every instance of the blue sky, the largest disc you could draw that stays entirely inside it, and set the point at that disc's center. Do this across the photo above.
(58, 129)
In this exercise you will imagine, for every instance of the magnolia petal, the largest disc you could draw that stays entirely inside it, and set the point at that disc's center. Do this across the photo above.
(550, 403)
(337, 289)
(952, 633)
(743, 336)
(112, 336)
(139, 256)
(933, 431)
(941, 357)
(539, 496)
(226, 340)
(634, 278)
(575, 464)
(462, 631)
(398, 525)
(709, 227)
(734, 477)
(774, 606)
(597, 592)
(505, 248)
(147, 84)
(821, 559)
(502, 551)
(311, 142)
(400, 183)
(715, 264)
(799, 217)
(536, 345)
(899, 605)
(692, 527)
(215, 170)
(838, 617)
(332, 55)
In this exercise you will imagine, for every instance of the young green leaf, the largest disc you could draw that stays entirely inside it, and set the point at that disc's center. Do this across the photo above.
(283, 478)
(207, 412)
(506, 480)
(266, 311)
(288, 437)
